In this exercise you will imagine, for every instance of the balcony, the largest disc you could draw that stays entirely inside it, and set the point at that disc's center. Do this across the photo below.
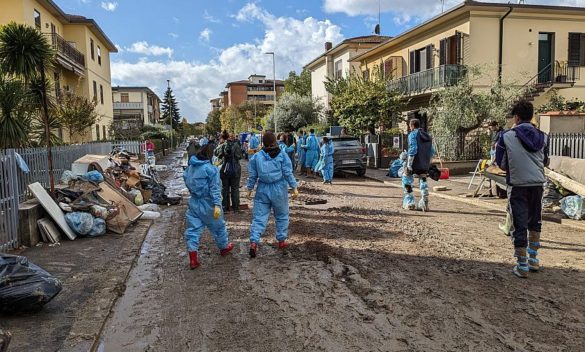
(67, 55)
(428, 80)
(128, 106)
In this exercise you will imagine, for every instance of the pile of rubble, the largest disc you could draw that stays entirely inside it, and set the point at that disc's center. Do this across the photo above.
(565, 187)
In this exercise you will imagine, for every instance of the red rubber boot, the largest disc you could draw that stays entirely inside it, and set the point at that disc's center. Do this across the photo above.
(253, 249)
(193, 261)
(226, 250)
(282, 245)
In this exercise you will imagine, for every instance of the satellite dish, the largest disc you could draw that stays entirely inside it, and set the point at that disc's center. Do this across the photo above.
(377, 29)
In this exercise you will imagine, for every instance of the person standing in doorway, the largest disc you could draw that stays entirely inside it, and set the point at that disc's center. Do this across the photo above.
(523, 153)
(420, 153)
(229, 154)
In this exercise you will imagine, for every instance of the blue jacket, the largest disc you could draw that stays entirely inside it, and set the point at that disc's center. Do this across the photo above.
(265, 169)
(286, 149)
(327, 151)
(203, 181)
(420, 147)
(312, 144)
(254, 142)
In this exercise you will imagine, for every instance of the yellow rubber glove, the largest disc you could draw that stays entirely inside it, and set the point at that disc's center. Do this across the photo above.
(295, 194)
(217, 212)
(249, 195)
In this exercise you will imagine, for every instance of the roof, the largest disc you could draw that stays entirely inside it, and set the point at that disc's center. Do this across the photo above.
(135, 88)
(267, 83)
(467, 6)
(75, 19)
(366, 39)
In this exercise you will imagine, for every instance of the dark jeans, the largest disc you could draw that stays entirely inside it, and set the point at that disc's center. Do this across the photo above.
(231, 189)
(525, 206)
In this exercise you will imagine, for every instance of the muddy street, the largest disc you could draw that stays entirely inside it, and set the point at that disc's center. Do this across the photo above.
(361, 274)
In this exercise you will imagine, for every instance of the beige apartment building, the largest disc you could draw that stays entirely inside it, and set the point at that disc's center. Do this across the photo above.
(536, 46)
(135, 107)
(82, 63)
(255, 89)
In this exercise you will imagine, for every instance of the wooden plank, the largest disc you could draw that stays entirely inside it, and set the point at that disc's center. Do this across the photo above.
(50, 230)
(566, 182)
(128, 213)
(52, 208)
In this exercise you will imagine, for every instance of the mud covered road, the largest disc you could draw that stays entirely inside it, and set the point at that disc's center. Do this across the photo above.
(361, 275)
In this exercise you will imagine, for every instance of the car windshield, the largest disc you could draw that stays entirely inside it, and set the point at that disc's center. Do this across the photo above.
(347, 143)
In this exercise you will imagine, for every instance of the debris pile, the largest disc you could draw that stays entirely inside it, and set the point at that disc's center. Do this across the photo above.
(565, 187)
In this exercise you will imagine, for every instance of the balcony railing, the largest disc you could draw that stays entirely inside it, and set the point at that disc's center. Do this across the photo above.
(428, 80)
(67, 50)
(128, 106)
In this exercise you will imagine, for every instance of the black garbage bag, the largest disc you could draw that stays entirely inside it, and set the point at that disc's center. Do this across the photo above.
(552, 196)
(160, 197)
(24, 287)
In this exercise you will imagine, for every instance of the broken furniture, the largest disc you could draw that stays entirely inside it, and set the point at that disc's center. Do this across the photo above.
(82, 165)
(52, 208)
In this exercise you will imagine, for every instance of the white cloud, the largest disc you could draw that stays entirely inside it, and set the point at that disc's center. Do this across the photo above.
(173, 35)
(295, 42)
(150, 50)
(205, 35)
(109, 5)
(119, 47)
(210, 18)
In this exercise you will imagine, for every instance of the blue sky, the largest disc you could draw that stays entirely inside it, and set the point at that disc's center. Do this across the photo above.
(200, 45)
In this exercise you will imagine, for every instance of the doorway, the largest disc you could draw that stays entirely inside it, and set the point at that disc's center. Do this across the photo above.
(545, 57)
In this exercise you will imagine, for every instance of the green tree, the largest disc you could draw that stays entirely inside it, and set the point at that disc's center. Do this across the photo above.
(298, 84)
(294, 111)
(15, 124)
(213, 122)
(358, 104)
(170, 106)
(76, 113)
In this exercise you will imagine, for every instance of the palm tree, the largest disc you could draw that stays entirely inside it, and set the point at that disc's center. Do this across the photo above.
(14, 118)
(25, 52)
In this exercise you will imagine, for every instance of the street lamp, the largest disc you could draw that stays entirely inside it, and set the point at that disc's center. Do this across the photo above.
(274, 85)
(170, 111)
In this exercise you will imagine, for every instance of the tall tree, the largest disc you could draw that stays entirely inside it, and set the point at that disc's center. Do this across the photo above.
(298, 84)
(213, 122)
(295, 111)
(14, 117)
(26, 52)
(170, 106)
(76, 113)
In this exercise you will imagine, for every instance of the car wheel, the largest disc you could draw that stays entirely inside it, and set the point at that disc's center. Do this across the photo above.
(361, 172)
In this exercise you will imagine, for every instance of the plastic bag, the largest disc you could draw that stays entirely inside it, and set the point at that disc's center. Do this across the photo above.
(394, 167)
(98, 228)
(150, 215)
(99, 212)
(551, 196)
(24, 287)
(80, 223)
(94, 176)
(67, 177)
(572, 206)
(148, 207)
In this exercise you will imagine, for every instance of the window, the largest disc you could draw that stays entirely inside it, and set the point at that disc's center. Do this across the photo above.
(576, 49)
(95, 91)
(97, 132)
(124, 98)
(92, 50)
(57, 79)
(105, 130)
(338, 69)
(394, 67)
(451, 50)
(102, 94)
(422, 59)
(99, 52)
(37, 16)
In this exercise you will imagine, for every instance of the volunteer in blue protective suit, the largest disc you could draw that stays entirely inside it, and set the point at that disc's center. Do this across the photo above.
(420, 154)
(271, 169)
(284, 147)
(327, 151)
(302, 155)
(311, 147)
(203, 181)
(253, 144)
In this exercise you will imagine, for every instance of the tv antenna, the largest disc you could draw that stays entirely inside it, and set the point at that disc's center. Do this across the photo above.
(442, 6)
(377, 30)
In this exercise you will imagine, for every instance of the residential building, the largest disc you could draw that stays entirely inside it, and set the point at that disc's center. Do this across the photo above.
(533, 46)
(335, 62)
(255, 89)
(82, 62)
(135, 107)
(216, 103)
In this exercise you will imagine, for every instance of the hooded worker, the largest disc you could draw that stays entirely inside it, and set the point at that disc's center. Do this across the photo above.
(271, 169)
(203, 181)
(420, 153)
(284, 147)
(253, 143)
(327, 151)
(311, 147)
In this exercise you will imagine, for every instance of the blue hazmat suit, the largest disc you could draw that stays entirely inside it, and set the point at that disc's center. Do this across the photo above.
(409, 201)
(301, 151)
(203, 181)
(272, 170)
(286, 149)
(312, 152)
(327, 151)
(254, 141)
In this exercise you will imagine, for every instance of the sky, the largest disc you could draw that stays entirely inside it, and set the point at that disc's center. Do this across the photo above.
(200, 45)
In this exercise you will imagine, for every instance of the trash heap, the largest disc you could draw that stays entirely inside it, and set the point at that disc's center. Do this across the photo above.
(565, 187)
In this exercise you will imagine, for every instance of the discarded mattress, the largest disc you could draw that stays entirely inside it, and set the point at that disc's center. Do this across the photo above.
(52, 208)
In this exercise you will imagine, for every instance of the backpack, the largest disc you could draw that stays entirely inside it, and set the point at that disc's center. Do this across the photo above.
(229, 167)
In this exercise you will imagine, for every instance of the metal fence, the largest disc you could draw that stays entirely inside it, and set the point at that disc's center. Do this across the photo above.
(461, 148)
(567, 144)
(14, 183)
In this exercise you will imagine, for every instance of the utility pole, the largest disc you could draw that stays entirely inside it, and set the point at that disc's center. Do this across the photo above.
(170, 110)
(274, 86)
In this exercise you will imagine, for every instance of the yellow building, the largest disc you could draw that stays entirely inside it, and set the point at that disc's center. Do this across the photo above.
(82, 63)
(527, 45)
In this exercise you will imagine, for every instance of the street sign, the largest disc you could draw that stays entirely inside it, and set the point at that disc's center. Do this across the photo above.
(396, 142)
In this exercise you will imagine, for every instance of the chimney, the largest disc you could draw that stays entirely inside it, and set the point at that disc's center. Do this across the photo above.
(328, 46)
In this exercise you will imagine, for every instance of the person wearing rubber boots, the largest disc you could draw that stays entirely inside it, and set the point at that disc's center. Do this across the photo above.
(327, 151)
(311, 147)
(204, 184)
(523, 153)
(271, 170)
(420, 153)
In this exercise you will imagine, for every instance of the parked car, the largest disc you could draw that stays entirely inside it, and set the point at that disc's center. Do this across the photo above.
(349, 155)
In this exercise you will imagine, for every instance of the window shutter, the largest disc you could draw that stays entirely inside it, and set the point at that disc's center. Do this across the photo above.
(459, 40)
(582, 54)
(429, 51)
(412, 63)
(443, 52)
(574, 49)
(388, 68)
